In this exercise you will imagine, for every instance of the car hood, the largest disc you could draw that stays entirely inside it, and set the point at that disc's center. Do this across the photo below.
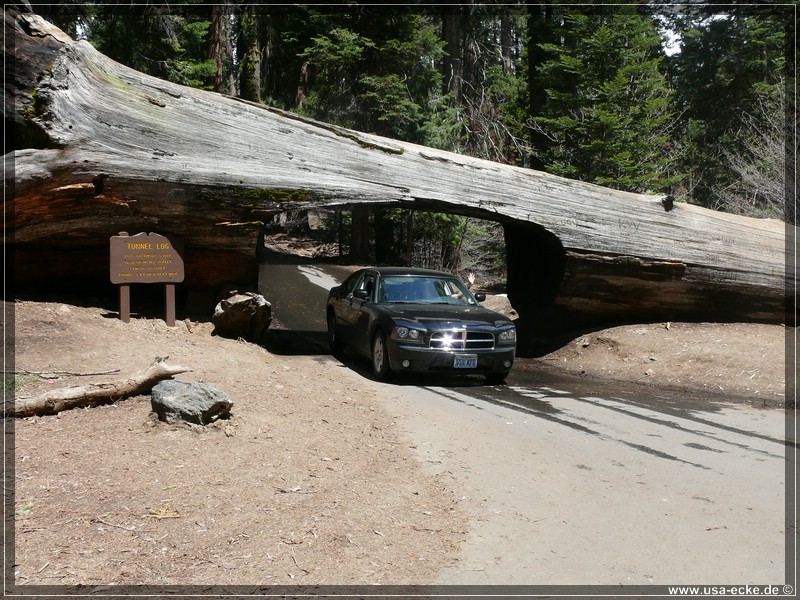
(437, 315)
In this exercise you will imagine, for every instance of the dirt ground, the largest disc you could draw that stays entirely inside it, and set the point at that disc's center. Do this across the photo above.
(310, 482)
(739, 361)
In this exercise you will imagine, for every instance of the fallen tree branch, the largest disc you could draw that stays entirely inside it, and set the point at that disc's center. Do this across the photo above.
(55, 401)
(43, 373)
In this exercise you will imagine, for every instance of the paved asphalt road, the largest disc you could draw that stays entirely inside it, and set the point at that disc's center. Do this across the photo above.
(570, 482)
(567, 488)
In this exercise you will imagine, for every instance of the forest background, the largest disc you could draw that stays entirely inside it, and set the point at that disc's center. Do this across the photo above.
(694, 100)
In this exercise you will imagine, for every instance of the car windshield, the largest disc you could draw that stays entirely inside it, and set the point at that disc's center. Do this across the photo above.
(423, 290)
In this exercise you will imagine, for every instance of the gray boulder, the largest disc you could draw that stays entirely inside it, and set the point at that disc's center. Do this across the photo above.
(199, 403)
(245, 315)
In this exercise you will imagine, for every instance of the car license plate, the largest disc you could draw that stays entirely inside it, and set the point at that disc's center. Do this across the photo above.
(469, 361)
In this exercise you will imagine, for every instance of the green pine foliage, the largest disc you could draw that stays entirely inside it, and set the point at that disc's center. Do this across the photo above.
(188, 67)
(608, 112)
(728, 64)
(373, 79)
(152, 39)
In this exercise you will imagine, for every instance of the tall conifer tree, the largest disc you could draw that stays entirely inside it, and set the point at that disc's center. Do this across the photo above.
(607, 115)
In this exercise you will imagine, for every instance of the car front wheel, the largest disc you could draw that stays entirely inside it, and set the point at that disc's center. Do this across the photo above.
(380, 356)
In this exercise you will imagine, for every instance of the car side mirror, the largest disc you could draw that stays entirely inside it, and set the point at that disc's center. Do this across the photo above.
(361, 294)
(480, 296)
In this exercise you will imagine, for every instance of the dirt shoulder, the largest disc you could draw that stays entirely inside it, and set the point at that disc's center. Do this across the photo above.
(310, 482)
(742, 361)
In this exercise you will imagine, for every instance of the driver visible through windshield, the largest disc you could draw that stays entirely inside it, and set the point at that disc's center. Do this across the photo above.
(423, 290)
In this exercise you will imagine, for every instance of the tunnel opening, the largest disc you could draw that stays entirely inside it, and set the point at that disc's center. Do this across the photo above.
(380, 235)
(519, 265)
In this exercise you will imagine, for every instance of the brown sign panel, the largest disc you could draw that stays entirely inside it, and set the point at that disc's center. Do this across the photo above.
(145, 258)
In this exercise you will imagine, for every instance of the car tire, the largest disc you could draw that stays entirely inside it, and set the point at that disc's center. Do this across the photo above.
(380, 356)
(496, 378)
(333, 335)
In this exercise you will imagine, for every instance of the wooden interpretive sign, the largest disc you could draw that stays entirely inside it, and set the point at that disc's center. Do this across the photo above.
(145, 258)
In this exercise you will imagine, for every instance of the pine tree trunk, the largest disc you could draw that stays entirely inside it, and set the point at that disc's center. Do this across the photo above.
(359, 233)
(539, 16)
(215, 47)
(250, 50)
(452, 65)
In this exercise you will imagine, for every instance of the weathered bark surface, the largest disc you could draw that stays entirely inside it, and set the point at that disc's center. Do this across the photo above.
(128, 152)
(55, 401)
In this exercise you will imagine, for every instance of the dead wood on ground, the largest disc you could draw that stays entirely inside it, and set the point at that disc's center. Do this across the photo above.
(55, 401)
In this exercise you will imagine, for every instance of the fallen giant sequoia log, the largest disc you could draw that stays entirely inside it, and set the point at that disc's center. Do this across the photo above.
(102, 148)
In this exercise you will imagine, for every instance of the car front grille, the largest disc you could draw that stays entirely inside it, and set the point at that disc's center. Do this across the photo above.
(462, 339)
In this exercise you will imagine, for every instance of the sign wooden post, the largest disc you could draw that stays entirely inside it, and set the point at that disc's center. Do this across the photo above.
(125, 303)
(170, 304)
(145, 258)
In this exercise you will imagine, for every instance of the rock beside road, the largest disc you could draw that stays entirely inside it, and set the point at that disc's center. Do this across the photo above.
(245, 315)
(198, 403)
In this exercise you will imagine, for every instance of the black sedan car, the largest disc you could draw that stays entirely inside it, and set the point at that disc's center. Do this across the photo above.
(418, 320)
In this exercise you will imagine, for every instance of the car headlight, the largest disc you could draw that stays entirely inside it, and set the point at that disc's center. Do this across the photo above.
(508, 335)
(407, 333)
